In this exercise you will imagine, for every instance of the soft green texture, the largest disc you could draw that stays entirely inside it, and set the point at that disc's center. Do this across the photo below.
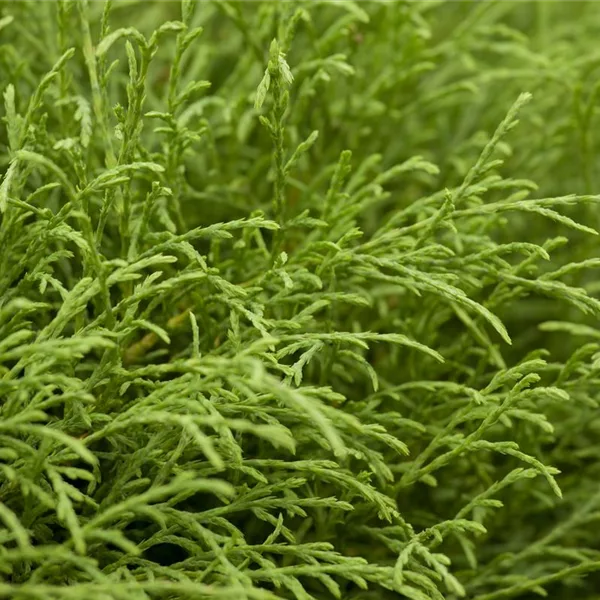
(292, 308)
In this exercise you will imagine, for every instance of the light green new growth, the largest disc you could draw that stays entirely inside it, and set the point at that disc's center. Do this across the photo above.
(291, 304)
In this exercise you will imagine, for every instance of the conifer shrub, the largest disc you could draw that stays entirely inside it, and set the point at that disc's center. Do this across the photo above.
(291, 308)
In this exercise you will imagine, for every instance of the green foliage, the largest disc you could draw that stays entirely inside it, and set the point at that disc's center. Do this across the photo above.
(291, 308)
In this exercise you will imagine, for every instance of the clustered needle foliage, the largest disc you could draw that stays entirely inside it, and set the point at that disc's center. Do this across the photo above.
(291, 304)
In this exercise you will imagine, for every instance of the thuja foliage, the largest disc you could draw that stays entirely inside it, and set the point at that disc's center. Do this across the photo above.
(291, 304)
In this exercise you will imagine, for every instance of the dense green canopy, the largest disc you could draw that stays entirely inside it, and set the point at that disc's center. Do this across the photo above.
(292, 306)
